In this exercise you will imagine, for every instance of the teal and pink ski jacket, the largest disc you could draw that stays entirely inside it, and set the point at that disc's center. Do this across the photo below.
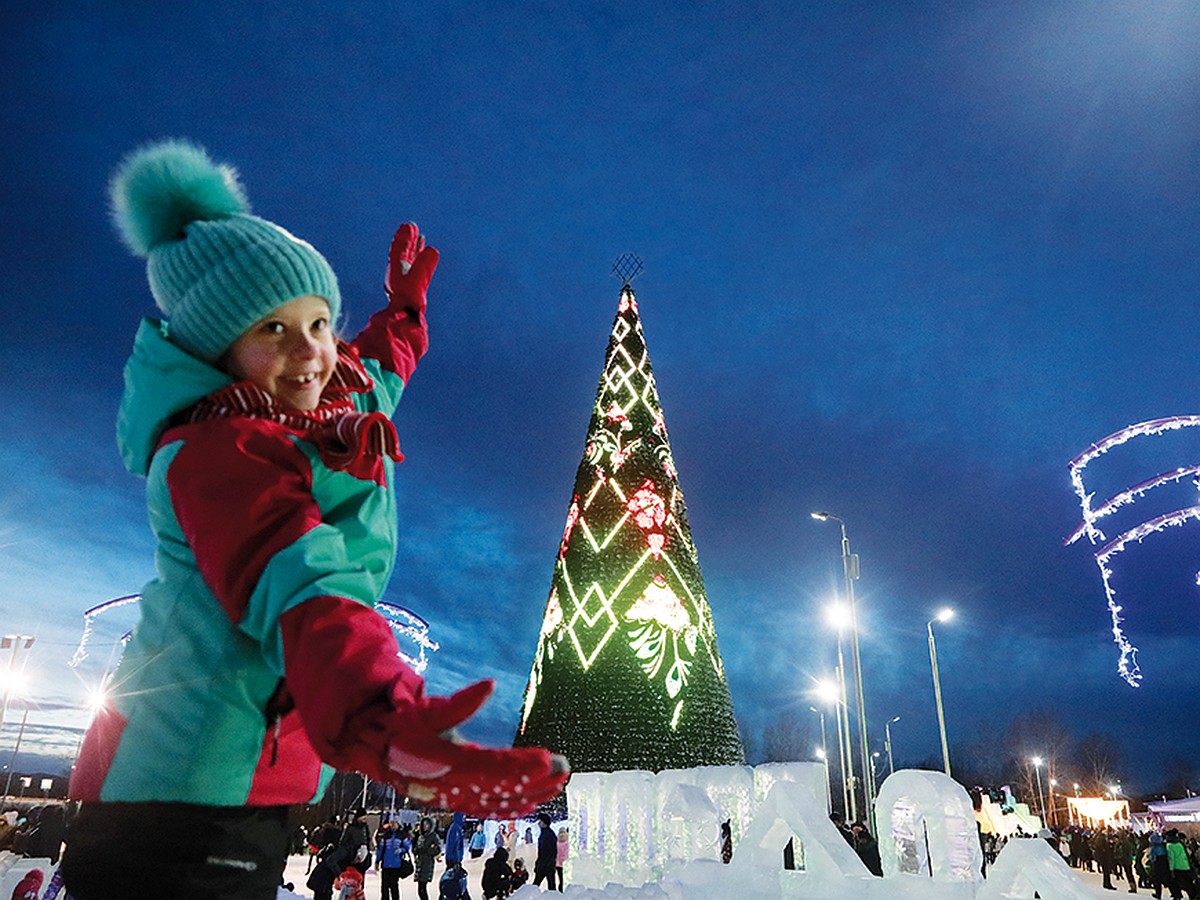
(276, 535)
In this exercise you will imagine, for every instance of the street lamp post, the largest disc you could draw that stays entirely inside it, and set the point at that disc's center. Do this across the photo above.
(823, 755)
(887, 730)
(831, 694)
(851, 572)
(16, 749)
(942, 616)
(1037, 768)
(15, 642)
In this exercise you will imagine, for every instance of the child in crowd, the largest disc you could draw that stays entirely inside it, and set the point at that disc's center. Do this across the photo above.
(259, 662)
(520, 874)
(496, 881)
(349, 885)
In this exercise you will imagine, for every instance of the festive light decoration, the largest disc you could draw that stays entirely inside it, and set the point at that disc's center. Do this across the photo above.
(89, 620)
(1127, 665)
(405, 624)
(408, 626)
(627, 674)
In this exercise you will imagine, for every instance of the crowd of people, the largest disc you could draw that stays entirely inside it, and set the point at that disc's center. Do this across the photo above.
(1151, 860)
(340, 854)
(37, 832)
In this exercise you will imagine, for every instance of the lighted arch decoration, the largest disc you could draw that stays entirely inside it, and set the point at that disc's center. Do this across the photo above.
(89, 622)
(409, 628)
(926, 826)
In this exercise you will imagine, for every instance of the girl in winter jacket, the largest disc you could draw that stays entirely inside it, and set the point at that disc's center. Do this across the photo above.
(269, 453)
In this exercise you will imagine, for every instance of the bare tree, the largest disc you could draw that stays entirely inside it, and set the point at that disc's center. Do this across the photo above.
(787, 739)
(1039, 735)
(1101, 761)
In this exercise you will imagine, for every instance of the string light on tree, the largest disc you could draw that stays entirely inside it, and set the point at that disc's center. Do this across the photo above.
(627, 673)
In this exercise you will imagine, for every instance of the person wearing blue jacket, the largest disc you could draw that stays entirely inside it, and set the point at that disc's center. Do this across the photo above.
(391, 854)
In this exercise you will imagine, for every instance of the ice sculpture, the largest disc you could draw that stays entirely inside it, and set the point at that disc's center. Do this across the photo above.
(644, 836)
(926, 826)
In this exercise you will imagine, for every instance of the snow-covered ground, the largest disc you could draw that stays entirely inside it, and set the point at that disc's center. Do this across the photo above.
(408, 888)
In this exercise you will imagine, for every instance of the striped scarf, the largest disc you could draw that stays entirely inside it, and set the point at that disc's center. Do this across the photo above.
(342, 435)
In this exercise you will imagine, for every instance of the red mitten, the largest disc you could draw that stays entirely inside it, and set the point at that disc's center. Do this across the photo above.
(430, 763)
(410, 267)
(364, 710)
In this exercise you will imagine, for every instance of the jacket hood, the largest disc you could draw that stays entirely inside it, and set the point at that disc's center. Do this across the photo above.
(161, 381)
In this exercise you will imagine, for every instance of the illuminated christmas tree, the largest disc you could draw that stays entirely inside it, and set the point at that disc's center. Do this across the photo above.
(627, 673)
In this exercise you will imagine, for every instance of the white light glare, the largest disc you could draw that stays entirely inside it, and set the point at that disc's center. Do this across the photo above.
(12, 683)
(827, 691)
(945, 614)
(837, 615)
(1036, 760)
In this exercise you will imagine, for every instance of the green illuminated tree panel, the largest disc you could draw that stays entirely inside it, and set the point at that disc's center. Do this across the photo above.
(627, 673)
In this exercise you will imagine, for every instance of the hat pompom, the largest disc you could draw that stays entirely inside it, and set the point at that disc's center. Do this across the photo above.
(161, 188)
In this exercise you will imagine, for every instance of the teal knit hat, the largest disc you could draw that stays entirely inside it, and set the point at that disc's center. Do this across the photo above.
(214, 269)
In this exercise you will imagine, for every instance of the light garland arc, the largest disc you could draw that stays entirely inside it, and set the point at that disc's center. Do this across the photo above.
(1089, 526)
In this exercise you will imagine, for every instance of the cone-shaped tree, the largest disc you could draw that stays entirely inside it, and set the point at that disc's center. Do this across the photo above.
(627, 674)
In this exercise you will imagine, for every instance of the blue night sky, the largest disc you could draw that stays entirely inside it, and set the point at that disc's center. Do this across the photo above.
(903, 262)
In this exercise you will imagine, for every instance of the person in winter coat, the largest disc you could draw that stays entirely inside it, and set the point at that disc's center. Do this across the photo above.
(866, 848)
(357, 833)
(325, 875)
(1127, 850)
(426, 849)
(269, 453)
(391, 856)
(453, 883)
(564, 847)
(547, 854)
(497, 876)
(1105, 854)
(454, 840)
(1159, 864)
(478, 842)
(520, 875)
(322, 840)
(1180, 866)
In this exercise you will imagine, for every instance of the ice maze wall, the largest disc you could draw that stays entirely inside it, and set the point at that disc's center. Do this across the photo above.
(663, 831)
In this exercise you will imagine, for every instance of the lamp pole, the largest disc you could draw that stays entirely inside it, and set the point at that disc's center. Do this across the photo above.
(824, 754)
(851, 572)
(830, 694)
(15, 642)
(1037, 768)
(16, 749)
(887, 730)
(942, 616)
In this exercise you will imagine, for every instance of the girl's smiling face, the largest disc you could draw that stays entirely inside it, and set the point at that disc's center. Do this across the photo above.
(289, 353)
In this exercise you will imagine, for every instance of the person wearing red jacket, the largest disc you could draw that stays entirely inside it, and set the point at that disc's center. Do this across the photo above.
(259, 664)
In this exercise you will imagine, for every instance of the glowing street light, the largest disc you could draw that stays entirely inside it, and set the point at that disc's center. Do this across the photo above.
(887, 730)
(851, 572)
(830, 694)
(11, 677)
(1037, 768)
(943, 615)
(838, 617)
